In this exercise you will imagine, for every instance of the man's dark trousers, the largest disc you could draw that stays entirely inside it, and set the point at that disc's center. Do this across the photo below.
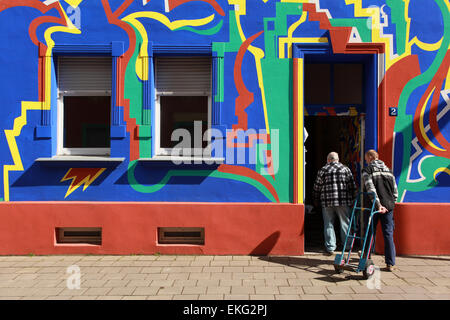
(387, 226)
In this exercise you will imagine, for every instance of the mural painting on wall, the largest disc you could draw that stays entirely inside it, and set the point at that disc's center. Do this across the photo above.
(252, 99)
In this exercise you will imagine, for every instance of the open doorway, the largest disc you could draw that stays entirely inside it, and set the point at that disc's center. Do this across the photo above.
(326, 134)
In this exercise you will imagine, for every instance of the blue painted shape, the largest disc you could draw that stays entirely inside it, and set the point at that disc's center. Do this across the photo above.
(43, 132)
(118, 132)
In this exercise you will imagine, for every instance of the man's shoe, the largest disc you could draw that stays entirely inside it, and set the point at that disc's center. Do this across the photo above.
(390, 268)
(330, 253)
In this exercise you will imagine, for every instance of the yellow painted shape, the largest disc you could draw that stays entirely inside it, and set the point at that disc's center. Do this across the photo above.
(422, 129)
(257, 53)
(11, 135)
(426, 46)
(74, 3)
(86, 181)
(21, 120)
(443, 169)
(300, 127)
(142, 62)
(284, 41)
(374, 13)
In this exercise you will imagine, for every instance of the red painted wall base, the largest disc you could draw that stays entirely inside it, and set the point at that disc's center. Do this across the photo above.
(131, 227)
(420, 228)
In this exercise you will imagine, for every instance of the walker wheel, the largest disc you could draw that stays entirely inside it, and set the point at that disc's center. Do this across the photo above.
(369, 270)
(338, 269)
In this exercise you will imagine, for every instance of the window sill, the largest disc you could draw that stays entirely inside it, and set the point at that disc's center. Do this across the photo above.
(194, 160)
(80, 159)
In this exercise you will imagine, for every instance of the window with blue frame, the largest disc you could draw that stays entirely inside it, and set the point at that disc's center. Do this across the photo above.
(84, 105)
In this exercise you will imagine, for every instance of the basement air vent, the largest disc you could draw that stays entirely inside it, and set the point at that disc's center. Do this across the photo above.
(171, 235)
(79, 235)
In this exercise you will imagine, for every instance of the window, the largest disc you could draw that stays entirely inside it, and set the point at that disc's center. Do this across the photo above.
(183, 101)
(333, 83)
(84, 105)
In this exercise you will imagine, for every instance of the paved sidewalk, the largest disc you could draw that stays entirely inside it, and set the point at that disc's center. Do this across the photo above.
(308, 277)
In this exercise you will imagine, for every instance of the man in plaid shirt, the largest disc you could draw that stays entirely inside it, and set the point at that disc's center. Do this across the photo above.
(336, 189)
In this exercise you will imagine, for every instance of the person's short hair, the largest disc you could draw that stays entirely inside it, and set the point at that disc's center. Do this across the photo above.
(372, 154)
(333, 156)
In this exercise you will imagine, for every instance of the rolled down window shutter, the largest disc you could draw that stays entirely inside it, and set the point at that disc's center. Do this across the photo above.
(84, 73)
(183, 75)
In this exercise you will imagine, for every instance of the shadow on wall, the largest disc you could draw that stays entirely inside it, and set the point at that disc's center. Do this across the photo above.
(266, 246)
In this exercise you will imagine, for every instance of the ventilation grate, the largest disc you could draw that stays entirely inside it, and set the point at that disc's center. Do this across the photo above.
(181, 235)
(79, 235)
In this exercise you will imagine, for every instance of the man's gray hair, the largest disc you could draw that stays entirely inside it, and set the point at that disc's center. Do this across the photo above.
(333, 156)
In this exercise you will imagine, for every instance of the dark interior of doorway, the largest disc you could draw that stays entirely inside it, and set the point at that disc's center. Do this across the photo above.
(325, 134)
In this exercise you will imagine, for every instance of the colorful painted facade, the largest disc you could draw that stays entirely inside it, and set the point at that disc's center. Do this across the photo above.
(259, 50)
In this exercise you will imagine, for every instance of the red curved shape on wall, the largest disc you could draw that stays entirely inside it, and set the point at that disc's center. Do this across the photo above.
(395, 79)
(245, 97)
(249, 173)
(175, 3)
(435, 84)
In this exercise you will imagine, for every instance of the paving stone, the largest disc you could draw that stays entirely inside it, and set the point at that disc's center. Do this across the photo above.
(96, 291)
(138, 283)
(221, 276)
(161, 297)
(239, 263)
(253, 283)
(213, 269)
(200, 263)
(210, 297)
(205, 275)
(122, 291)
(47, 291)
(313, 297)
(185, 283)
(262, 297)
(242, 275)
(162, 283)
(146, 291)
(242, 290)
(339, 290)
(299, 282)
(135, 276)
(194, 290)
(415, 296)
(315, 290)
(267, 290)
(109, 297)
(264, 275)
(116, 283)
(365, 296)
(287, 297)
(391, 290)
(290, 290)
(236, 297)
(390, 296)
(157, 276)
(93, 283)
(84, 298)
(170, 290)
(338, 296)
(227, 282)
(218, 290)
(178, 276)
(185, 297)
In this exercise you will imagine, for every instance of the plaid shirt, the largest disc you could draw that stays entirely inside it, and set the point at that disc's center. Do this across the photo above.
(334, 185)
